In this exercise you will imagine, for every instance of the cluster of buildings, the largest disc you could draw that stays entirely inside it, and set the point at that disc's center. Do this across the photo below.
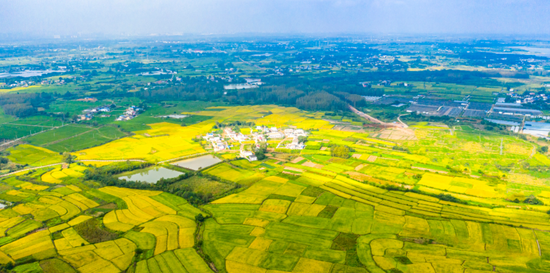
(218, 144)
(156, 72)
(294, 133)
(525, 98)
(274, 133)
(384, 83)
(87, 99)
(294, 68)
(19, 84)
(250, 83)
(129, 114)
(24, 83)
(88, 114)
(199, 51)
(248, 155)
(235, 136)
(271, 133)
(296, 144)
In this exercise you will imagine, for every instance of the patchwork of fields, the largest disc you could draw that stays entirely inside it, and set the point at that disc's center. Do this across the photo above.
(50, 224)
(443, 202)
(345, 226)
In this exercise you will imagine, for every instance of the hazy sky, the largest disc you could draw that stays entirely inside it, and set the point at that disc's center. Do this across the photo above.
(275, 16)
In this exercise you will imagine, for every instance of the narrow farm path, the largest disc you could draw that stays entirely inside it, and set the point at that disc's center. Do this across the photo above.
(33, 168)
(402, 123)
(538, 244)
(368, 117)
(182, 157)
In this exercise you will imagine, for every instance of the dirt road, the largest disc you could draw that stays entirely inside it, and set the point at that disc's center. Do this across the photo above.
(375, 120)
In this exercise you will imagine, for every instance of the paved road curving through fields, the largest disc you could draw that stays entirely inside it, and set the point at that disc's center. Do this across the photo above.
(375, 120)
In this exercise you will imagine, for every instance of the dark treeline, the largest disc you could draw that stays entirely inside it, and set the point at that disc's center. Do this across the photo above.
(353, 99)
(24, 105)
(319, 101)
(266, 95)
(304, 98)
(308, 99)
(191, 91)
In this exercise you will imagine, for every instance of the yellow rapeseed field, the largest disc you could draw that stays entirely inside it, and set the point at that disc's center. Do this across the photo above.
(163, 141)
(55, 176)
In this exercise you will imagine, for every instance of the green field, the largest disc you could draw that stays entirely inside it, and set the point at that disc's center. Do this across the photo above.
(56, 135)
(90, 138)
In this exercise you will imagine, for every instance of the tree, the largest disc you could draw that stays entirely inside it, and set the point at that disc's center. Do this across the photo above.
(533, 200)
(260, 152)
(199, 218)
(68, 157)
(340, 151)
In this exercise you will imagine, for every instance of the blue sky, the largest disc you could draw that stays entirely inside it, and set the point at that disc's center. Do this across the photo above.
(275, 16)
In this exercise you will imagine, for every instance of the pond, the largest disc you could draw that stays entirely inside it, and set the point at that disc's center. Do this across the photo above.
(197, 163)
(151, 175)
